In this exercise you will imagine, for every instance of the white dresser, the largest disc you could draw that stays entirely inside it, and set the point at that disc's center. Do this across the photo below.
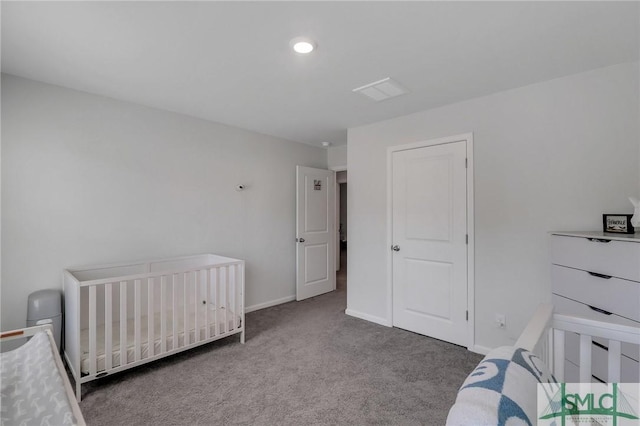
(597, 275)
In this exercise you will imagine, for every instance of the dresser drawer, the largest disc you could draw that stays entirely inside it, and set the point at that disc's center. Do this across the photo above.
(621, 297)
(562, 305)
(567, 306)
(571, 372)
(616, 258)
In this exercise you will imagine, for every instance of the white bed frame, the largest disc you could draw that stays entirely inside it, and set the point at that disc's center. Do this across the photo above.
(545, 336)
(48, 329)
(206, 293)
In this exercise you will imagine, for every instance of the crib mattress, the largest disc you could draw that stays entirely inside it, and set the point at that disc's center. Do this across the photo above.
(221, 319)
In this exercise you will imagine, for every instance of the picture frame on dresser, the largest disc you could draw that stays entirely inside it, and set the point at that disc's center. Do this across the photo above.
(617, 223)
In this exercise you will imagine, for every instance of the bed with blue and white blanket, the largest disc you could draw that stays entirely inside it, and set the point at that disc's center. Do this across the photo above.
(503, 389)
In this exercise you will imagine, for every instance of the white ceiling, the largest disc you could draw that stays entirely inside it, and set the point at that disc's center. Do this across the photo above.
(230, 62)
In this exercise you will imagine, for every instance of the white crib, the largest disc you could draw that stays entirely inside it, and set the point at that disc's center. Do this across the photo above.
(123, 315)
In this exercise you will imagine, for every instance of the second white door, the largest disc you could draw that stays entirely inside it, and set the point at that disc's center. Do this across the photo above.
(429, 230)
(315, 232)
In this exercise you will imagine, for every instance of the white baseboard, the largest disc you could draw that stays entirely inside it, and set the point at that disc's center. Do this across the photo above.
(367, 317)
(269, 304)
(482, 350)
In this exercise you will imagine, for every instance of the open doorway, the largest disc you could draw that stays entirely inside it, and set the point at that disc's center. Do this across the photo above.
(342, 237)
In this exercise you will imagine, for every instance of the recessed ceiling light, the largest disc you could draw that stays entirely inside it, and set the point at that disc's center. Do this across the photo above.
(326, 144)
(302, 44)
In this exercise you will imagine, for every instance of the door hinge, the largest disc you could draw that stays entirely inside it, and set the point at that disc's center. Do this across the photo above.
(467, 315)
(466, 163)
(466, 239)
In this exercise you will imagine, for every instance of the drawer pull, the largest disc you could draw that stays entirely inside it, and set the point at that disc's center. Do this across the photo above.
(600, 345)
(598, 240)
(602, 311)
(595, 274)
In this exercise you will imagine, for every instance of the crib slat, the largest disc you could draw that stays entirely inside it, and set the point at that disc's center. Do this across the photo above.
(585, 358)
(185, 312)
(236, 296)
(546, 353)
(137, 320)
(558, 354)
(207, 293)
(196, 306)
(108, 331)
(226, 296)
(163, 310)
(614, 354)
(174, 312)
(218, 318)
(241, 285)
(123, 323)
(92, 330)
(151, 335)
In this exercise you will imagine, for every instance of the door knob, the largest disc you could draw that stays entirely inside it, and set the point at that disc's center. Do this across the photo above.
(395, 248)
(301, 240)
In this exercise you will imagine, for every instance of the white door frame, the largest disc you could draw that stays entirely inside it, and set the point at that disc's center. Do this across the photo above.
(468, 138)
(337, 204)
(337, 223)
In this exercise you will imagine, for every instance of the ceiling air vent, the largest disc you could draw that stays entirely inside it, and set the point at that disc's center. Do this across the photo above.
(381, 89)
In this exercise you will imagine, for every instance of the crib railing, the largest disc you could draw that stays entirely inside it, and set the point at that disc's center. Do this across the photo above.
(545, 335)
(587, 329)
(193, 306)
(193, 294)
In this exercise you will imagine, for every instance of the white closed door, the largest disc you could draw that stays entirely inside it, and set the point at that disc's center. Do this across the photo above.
(429, 234)
(315, 232)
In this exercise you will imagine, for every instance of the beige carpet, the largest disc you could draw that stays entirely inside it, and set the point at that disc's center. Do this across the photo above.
(303, 363)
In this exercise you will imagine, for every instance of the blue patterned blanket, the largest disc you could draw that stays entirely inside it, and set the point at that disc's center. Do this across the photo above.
(501, 390)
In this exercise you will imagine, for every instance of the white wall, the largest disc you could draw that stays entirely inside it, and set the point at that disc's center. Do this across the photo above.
(337, 156)
(550, 156)
(87, 179)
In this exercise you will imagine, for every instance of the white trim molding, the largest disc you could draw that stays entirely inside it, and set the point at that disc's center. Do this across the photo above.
(270, 304)
(468, 138)
(482, 350)
(367, 317)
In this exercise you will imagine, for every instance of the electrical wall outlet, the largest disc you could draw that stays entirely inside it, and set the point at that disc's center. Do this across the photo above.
(501, 321)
